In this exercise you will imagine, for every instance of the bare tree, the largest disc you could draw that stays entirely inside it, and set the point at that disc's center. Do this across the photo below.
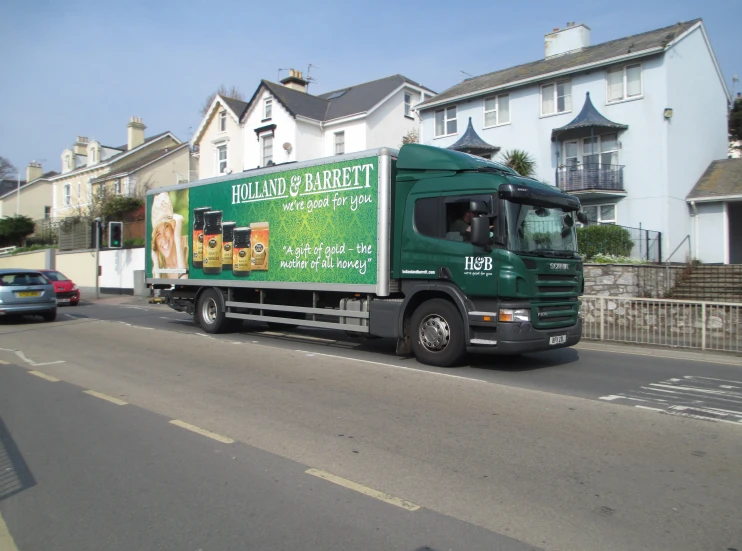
(6, 169)
(412, 136)
(223, 91)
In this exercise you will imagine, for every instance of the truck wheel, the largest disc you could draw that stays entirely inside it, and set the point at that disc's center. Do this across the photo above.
(210, 312)
(437, 333)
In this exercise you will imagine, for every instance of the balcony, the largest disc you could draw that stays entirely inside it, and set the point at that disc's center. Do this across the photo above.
(591, 180)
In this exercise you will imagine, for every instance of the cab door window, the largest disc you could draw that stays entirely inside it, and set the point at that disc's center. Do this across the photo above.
(459, 216)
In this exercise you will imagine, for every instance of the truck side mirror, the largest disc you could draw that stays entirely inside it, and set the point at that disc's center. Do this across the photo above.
(480, 207)
(582, 218)
(480, 231)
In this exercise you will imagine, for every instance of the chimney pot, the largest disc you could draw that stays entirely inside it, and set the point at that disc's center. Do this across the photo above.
(295, 81)
(33, 171)
(135, 133)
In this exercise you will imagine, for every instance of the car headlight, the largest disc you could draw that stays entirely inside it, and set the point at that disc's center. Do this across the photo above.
(74, 287)
(508, 314)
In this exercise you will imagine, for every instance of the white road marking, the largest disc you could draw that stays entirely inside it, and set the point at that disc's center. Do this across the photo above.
(393, 366)
(135, 308)
(202, 432)
(44, 376)
(74, 316)
(105, 397)
(29, 361)
(360, 488)
(6, 540)
(703, 398)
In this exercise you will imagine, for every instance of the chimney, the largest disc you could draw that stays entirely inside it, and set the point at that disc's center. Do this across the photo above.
(135, 133)
(33, 171)
(295, 81)
(570, 39)
(81, 146)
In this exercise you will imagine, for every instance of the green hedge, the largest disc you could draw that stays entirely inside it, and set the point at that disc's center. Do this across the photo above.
(604, 239)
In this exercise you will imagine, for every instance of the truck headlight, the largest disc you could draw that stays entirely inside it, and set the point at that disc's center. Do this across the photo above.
(508, 314)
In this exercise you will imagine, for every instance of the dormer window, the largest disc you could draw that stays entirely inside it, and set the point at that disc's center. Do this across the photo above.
(70, 164)
(223, 121)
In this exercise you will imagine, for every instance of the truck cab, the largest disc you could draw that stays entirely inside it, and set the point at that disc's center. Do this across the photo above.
(486, 259)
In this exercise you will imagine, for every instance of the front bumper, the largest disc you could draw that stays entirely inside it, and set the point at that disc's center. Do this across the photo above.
(68, 297)
(519, 338)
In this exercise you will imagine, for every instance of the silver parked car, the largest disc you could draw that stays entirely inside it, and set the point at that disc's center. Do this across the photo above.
(27, 292)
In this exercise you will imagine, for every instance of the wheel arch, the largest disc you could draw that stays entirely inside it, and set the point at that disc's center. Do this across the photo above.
(417, 294)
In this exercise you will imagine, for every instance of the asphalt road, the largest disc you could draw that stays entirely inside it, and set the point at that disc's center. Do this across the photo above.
(541, 452)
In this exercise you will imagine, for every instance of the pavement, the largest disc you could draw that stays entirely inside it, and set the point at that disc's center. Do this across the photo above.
(313, 439)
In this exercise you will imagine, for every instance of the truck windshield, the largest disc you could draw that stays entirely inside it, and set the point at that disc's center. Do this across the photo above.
(540, 231)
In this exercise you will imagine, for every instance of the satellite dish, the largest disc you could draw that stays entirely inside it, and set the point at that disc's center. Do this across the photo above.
(287, 147)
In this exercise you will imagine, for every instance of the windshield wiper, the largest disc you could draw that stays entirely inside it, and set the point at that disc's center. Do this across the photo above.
(551, 252)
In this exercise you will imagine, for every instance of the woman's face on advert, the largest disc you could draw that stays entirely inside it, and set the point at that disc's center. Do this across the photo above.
(165, 239)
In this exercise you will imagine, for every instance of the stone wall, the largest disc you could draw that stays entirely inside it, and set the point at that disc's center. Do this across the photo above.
(631, 280)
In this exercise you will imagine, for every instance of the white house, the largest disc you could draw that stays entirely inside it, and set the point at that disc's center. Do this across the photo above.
(628, 125)
(283, 123)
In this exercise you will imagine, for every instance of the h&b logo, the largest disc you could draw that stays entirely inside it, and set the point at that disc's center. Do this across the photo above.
(478, 263)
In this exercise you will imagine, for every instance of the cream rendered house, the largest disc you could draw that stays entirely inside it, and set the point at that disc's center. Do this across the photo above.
(88, 164)
(284, 123)
(33, 198)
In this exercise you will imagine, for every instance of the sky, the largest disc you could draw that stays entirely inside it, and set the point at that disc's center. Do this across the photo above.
(84, 69)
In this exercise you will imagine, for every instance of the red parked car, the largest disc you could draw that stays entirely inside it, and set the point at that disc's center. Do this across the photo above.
(67, 291)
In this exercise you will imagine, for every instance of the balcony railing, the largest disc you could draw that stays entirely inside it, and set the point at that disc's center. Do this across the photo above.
(590, 176)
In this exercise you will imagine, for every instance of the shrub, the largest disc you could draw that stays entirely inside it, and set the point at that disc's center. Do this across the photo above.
(133, 243)
(604, 239)
(116, 207)
(15, 229)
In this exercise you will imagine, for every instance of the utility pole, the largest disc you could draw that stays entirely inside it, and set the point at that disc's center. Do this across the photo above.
(97, 258)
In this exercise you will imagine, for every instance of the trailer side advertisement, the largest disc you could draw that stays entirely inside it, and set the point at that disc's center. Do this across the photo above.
(312, 225)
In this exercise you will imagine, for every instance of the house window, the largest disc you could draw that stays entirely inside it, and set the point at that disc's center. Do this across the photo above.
(624, 83)
(445, 121)
(221, 159)
(600, 151)
(70, 165)
(223, 121)
(267, 150)
(339, 143)
(90, 190)
(67, 191)
(497, 110)
(117, 186)
(47, 212)
(268, 108)
(79, 191)
(600, 214)
(407, 105)
(556, 97)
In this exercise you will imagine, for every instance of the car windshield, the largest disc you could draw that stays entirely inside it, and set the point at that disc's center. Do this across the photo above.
(17, 280)
(56, 276)
(540, 231)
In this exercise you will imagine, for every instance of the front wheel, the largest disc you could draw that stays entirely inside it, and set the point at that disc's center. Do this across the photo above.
(437, 333)
(211, 312)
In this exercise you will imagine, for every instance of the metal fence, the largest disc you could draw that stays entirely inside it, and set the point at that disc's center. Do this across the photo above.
(647, 244)
(675, 323)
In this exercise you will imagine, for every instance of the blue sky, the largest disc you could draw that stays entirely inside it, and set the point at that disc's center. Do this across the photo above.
(85, 68)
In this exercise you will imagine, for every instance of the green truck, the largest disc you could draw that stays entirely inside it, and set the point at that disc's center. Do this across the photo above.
(446, 252)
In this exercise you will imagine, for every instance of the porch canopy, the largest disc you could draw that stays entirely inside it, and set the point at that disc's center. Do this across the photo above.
(471, 143)
(588, 123)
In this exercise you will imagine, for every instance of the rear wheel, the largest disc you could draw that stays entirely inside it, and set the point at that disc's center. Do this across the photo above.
(50, 315)
(211, 312)
(437, 333)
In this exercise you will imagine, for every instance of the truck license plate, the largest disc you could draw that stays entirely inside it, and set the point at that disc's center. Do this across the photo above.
(558, 339)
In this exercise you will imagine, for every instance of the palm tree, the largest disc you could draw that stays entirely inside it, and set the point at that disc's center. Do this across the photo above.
(520, 161)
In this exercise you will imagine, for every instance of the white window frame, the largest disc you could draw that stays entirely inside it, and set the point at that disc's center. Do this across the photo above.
(67, 194)
(225, 161)
(624, 70)
(555, 84)
(90, 190)
(223, 121)
(340, 141)
(79, 191)
(117, 186)
(264, 140)
(599, 219)
(267, 109)
(407, 104)
(446, 119)
(496, 110)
